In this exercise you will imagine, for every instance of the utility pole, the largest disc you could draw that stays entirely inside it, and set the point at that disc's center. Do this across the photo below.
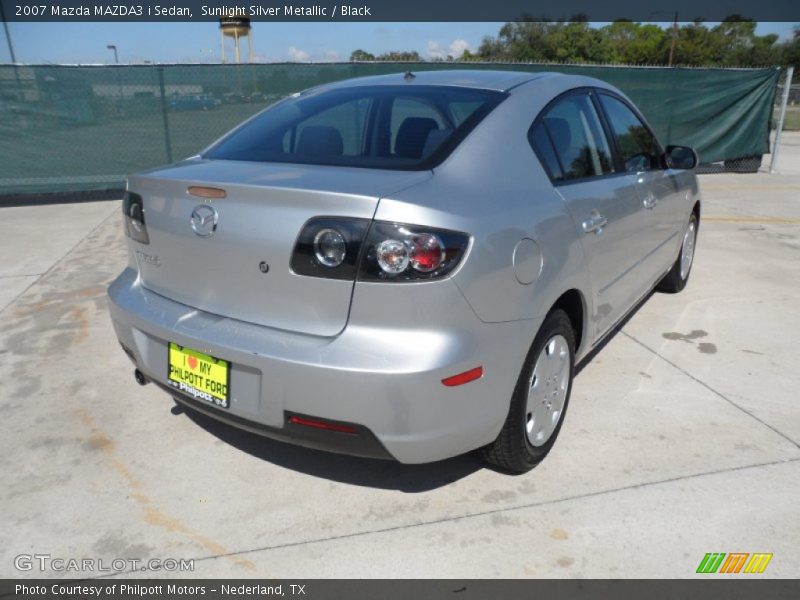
(10, 49)
(674, 39)
(8, 35)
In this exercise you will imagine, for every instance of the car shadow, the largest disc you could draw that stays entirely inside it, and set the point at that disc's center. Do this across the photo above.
(366, 472)
(353, 470)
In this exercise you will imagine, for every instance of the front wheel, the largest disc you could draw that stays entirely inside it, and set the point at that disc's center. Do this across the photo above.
(677, 277)
(540, 399)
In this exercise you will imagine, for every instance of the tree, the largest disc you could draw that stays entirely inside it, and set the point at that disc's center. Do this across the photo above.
(361, 56)
(520, 40)
(398, 56)
(790, 51)
(732, 42)
(575, 42)
(633, 43)
(696, 45)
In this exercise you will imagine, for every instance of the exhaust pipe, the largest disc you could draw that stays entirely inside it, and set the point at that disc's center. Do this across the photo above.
(140, 377)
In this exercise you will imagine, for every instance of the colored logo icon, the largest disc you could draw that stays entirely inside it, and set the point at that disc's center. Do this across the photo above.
(734, 562)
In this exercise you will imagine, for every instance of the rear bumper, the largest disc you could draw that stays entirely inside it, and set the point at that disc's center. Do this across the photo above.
(388, 381)
(362, 443)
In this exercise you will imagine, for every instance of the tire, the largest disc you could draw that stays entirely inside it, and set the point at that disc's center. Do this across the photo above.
(516, 450)
(677, 277)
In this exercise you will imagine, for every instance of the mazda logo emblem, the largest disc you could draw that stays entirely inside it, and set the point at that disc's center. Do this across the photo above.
(204, 220)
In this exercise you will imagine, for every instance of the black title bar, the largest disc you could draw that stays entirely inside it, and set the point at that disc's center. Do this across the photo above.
(398, 10)
(701, 588)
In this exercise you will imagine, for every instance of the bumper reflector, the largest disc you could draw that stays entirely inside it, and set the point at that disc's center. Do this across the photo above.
(464, 377)
(294, 419)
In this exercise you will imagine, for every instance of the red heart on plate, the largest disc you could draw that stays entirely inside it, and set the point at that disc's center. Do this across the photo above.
(192, 362)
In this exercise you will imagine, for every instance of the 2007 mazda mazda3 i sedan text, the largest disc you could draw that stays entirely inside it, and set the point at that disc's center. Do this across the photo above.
(405, 266)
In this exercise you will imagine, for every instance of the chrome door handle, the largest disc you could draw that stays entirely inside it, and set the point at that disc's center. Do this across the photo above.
(650, 202)
(594, 223)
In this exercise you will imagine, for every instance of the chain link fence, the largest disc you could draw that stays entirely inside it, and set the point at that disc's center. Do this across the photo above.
(752, 164)
(79, 128)
(792, 121)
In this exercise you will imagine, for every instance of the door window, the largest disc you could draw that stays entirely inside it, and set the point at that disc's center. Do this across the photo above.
(638, 147)
(573, 128)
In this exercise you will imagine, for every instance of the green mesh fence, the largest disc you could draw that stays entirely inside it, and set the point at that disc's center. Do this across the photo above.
(66, 128)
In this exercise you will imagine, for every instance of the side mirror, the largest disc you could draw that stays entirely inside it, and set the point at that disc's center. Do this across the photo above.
(681, 157)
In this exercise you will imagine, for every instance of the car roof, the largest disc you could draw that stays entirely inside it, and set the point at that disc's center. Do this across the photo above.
(500, 81)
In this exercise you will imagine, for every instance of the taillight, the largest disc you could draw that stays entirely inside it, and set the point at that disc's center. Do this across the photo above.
(341, 248)
(401, 253)
(392, 256)
(329, 247)
(133, 213)
(426, 253)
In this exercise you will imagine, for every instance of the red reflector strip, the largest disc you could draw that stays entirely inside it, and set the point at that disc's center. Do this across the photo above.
(322, 425)
(464, 377)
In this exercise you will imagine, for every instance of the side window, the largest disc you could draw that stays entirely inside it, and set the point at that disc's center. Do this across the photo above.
(638, 147)
(540, 140)
(578, 138)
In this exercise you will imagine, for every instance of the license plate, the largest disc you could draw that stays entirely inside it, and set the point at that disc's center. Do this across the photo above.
(199, 375)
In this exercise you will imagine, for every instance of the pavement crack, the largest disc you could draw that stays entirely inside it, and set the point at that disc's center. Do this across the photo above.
(507, 509)
(151, 514)
(710, 389)
(59, 261)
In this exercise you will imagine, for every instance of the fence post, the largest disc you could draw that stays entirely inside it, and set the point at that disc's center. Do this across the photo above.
(787, 84)
(167, 139)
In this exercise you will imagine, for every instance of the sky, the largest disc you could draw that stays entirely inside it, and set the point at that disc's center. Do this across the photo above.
(70, 43)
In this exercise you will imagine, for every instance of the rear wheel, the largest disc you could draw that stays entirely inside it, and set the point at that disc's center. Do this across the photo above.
(540, 399)
(674, 281)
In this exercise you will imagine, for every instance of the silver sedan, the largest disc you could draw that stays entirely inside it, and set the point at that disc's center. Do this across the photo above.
(406, 266)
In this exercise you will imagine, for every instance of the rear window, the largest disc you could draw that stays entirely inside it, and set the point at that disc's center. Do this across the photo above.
(385, 127)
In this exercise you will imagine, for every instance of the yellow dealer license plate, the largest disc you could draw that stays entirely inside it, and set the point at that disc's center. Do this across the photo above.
(199, 375)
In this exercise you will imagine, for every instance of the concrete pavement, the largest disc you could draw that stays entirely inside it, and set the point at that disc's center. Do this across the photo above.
(682, 435)
(35, 239)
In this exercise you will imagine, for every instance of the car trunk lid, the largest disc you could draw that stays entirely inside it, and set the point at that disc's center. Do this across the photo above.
(264, 208)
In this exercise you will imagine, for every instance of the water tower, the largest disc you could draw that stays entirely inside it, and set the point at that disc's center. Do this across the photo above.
(236, 28)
